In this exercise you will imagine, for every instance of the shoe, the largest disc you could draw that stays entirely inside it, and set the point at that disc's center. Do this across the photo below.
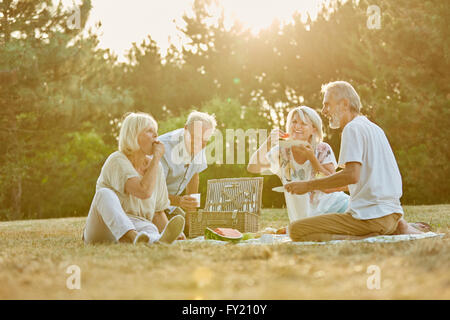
(141, 237)
(172, 231)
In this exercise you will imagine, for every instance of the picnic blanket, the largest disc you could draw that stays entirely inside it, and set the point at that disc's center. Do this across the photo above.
(284, 239)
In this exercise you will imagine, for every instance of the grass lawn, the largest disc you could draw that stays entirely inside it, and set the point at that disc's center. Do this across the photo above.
(35, 254)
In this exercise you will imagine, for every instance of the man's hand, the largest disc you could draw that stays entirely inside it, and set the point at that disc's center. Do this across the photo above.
(330, 190)
(188, 203)
(335, 189)
(297, 187)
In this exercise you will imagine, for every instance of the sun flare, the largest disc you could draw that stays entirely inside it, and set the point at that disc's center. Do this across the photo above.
(125, 22)
(260, 14)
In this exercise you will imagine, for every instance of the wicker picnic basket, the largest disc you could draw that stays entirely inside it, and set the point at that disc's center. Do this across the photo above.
(230, 203)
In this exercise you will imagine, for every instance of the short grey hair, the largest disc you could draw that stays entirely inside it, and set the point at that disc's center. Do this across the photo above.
(343, 90)
(206, 118)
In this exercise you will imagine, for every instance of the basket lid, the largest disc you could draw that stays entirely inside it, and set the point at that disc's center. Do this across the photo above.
(234, 194)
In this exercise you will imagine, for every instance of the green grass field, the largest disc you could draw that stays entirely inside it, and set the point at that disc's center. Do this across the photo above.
(35, 254)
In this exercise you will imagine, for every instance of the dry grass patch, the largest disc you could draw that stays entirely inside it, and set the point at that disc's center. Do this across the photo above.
(34, 256)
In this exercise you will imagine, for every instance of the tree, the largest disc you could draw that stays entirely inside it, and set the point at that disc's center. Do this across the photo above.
(398, 70)
(64, 84)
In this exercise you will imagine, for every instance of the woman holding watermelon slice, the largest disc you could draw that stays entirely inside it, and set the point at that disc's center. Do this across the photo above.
(298, 155)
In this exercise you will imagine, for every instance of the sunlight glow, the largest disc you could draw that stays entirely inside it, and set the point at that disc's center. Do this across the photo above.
(260, 14)
(124, 22)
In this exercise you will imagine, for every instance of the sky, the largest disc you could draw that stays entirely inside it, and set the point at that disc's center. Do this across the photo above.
(126, 21)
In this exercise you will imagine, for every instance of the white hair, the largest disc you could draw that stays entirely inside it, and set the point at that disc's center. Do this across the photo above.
(307, 114)
(208, 119)
(132, 126)
(343, 90)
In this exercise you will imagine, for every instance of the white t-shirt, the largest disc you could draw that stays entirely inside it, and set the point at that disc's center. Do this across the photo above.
(115, 173)
(379, 188)
(179, 167)
(288, 170)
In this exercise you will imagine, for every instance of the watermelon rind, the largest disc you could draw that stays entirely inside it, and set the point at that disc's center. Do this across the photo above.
(248, 236)
(211, 235)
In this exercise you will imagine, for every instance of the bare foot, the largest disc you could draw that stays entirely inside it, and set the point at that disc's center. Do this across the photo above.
(404, 227)
(425, 227)
(281, 231)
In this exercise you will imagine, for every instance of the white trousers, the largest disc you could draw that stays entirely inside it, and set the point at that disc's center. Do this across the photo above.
(108, 222)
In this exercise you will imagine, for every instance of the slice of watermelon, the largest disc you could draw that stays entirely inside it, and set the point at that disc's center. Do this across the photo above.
(285, 136)
(228, 232)
(223, 234)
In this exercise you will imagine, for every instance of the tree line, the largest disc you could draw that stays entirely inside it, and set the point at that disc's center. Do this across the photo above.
(62, 98)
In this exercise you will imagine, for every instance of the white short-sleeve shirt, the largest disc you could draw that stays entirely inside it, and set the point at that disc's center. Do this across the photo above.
(179, 167)
(379, 189)
(288, 170)
(115, 172)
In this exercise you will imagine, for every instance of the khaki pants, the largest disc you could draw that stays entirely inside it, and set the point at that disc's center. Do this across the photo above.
(325, 227)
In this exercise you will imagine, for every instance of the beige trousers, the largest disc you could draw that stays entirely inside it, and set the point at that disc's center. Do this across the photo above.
(323, 227)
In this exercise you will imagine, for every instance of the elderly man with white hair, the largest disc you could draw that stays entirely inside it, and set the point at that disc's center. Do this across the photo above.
(131, 193)
(369, 170)
(185, 158)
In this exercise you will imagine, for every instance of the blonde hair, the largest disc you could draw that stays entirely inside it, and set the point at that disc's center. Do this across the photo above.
(202, 116)
(343, 90)
(307, 114)
(132, 125)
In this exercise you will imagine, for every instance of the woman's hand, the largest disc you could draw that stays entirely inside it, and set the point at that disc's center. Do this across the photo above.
(306, 151)
(275, 135)
(158, 150)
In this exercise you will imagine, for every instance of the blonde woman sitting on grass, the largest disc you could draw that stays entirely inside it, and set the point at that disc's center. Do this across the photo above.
(131, 192)
(302, 157)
